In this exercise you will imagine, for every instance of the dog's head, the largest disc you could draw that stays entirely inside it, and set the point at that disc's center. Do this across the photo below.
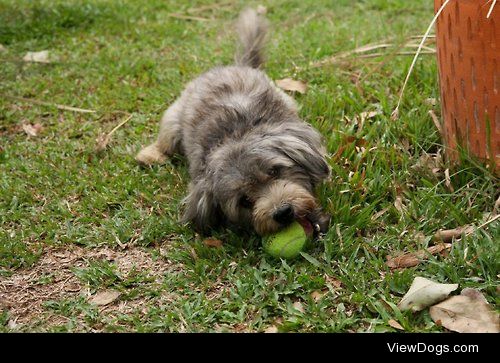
(264, 180)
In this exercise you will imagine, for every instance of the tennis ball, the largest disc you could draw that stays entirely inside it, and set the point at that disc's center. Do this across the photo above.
(286, 243)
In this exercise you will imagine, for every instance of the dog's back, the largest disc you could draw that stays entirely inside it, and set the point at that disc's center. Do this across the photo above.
(231, 101)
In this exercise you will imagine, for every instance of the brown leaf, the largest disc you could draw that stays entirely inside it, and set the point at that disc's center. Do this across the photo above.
(448, 235)
(366, 115)
(398, 204)
(333, 281)
(104, 297)
(289, 84)
(395, 324)
(212, 242)
(414, 258)
(317, 295)
(430, 162)
(379, 214)
(395, 114)
(466, 313)
(298, 306)
(473, 294)
(32, 130)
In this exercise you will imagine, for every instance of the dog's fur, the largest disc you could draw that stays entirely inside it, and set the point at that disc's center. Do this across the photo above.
(249, 153)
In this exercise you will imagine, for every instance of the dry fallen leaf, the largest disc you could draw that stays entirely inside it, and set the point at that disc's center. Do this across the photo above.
(430, 162)
(414, 258)
(473, 294)
(37, 57)
(337, 284)
(104, 297)
(423, 293)
(466, 313)
(317, 295)
(363, 116)
(289, 84)
(395, 324)
(379, 214)
(298, 306)
(398, 204)
(212, 242)
(395, 114)
(32, 130)
(271, 329)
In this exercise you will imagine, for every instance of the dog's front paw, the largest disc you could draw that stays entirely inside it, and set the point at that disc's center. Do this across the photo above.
(150, 155)
(320, 221)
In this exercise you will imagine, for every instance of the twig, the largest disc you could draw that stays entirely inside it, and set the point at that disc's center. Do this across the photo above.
(359, 52)
(209, 7)
(187, 17)
(43, 103)
(395, 113)
(374, 55)
(448, 234)
(489, 221)
(430, 36)
(103, 140)
(412, 45)
(491, 9)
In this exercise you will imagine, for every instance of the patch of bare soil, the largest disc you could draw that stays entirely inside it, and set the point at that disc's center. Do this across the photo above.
(52, 279)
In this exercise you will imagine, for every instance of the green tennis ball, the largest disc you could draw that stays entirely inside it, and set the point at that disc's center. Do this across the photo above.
(286, 243)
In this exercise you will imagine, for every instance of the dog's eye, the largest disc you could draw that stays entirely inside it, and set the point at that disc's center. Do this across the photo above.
(274, 171)
(245, 202)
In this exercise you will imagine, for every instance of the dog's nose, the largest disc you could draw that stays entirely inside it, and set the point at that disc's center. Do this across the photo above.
(283, 214)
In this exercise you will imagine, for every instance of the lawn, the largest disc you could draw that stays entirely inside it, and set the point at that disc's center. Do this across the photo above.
(90, 241)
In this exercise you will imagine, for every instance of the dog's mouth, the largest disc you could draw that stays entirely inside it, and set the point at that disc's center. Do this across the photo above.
(314, 224)
(307, 225)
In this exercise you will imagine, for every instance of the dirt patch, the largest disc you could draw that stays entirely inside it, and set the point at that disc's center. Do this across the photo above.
(25, 293)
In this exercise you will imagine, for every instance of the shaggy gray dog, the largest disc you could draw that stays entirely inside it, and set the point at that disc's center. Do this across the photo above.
(253, 162)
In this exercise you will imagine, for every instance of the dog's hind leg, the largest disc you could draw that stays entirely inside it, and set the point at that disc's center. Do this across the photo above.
(169, 138)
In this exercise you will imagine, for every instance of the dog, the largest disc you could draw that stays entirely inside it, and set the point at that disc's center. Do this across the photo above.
(253, 162)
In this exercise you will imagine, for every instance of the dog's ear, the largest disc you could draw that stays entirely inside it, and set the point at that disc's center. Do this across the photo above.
(303, 146)
(201, 208)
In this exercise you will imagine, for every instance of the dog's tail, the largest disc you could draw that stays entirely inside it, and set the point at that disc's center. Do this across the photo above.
(252, 30)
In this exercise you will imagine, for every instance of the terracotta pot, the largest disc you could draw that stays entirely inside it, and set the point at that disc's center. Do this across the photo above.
(468, 50)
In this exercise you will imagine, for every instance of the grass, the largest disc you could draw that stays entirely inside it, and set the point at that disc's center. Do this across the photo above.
(118, 57)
